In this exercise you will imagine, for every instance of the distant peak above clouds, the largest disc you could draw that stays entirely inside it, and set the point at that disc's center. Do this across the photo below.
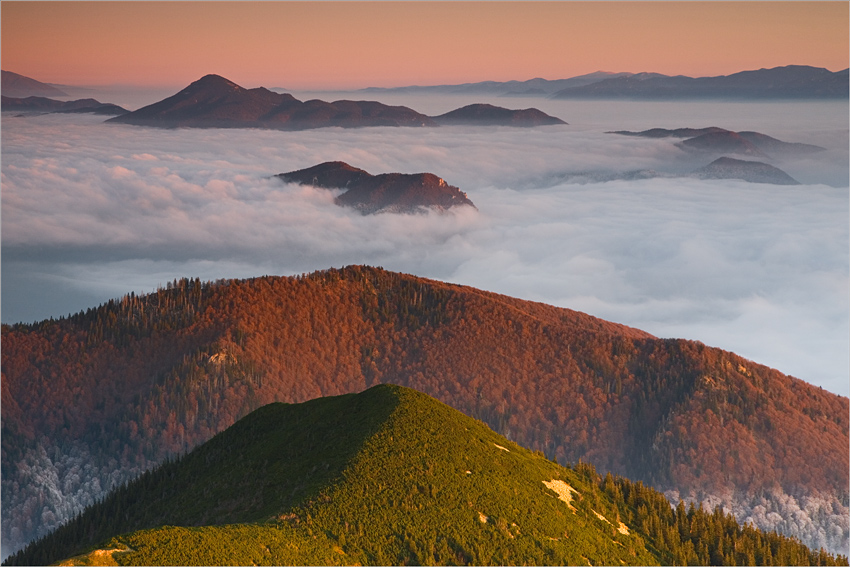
(387, 192)
(719, 141)
(215, 102)
(487, 114)
(752, 171)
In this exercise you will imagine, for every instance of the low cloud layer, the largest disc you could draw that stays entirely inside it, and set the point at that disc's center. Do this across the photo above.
(92, 211)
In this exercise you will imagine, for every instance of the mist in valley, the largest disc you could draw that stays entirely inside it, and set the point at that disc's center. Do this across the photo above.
(91, 211)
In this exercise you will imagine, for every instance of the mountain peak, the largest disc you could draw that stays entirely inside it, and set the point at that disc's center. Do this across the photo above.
(752, 171)
(213, 81)
(390, 476)
(387, 192)
(488, 114)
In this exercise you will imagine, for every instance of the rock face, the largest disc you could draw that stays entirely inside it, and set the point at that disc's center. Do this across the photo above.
(215, 102)
(752, 171)
(41, 104)
(489, 115)
(384, 193)
(16, 85)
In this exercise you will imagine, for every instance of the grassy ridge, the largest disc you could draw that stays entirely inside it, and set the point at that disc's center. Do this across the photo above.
(392, 476)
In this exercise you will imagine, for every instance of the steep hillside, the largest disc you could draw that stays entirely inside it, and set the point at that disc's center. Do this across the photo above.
(392, 476)
(91, 401)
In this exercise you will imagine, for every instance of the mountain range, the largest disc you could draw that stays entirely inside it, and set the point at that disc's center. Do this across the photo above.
(94, 400)
(215, 102)
(532, 87)
(391, 476)
(43, 105)
(788, 82)
(387, 192)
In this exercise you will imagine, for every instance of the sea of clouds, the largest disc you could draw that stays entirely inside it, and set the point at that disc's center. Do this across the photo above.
(91, 211)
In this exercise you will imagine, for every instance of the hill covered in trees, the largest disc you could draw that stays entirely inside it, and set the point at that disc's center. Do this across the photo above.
(391, 476)
(96, 399)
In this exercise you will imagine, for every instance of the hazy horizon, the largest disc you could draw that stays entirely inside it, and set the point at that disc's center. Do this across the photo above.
(352, 45)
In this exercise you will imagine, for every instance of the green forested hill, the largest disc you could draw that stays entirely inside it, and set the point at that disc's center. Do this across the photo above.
(91, 401)
(392, 476)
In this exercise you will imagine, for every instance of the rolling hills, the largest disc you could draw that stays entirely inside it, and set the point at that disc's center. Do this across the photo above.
(94, 400)
(391, 476)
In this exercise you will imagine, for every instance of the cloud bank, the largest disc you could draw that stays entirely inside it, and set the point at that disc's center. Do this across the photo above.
(92, 211)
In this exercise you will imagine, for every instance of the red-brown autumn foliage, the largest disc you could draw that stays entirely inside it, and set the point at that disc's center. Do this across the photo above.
(145, 377)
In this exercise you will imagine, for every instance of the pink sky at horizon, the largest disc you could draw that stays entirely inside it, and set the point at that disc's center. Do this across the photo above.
(324, 45)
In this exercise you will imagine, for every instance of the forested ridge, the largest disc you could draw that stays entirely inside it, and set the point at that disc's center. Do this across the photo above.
(391, 476)
(123, 386)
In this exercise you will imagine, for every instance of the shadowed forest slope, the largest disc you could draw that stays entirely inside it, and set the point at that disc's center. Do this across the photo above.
(91, 401)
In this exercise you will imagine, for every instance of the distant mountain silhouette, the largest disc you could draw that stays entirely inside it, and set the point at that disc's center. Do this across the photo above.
(532, 87)
(752, 171)
(772, 146)
(720, 140)
(41, 104)
(16, 85)
(790, 82)
(388, 192)
(722, 143)
(215, 102)
(487, 114)
(665, 133)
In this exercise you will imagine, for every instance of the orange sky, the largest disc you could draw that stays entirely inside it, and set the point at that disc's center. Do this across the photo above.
(301, 45)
